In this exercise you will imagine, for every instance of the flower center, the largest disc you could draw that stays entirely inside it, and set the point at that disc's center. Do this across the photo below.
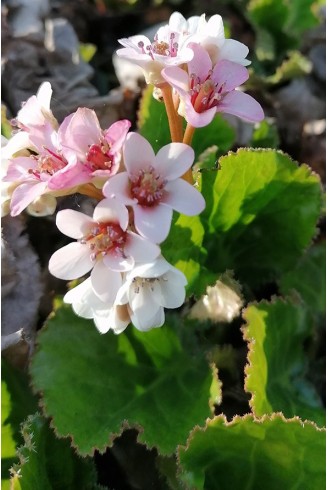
(105, 238)
(205, 95)
(162, 48)
(141, 282)
(47, 164)
(99, 157)
(147, 187)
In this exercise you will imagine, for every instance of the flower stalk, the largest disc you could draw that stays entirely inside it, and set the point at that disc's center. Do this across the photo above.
(175, 122)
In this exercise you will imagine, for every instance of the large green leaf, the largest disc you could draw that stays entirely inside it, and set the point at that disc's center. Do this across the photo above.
(276, 333)
(251, 454)
(95, 385)
(308, 278)
(261, 213)
(17, 402)
(48, 463)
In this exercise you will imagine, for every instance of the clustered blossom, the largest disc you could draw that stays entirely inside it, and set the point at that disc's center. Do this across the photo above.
(206, 89)
(116, 253)
(52, 159)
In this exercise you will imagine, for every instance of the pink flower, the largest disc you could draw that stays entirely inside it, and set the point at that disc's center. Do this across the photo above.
(153, 187)
(206, 90)
(152, 56)
(33, 173)
(104, 246)
(97, 153)
(34, 117)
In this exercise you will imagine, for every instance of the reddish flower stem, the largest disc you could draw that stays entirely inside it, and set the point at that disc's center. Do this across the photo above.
(175, 121)
(187, 139)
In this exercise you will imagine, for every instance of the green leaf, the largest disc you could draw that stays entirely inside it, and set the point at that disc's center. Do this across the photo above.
(276, 333)
(261, 213)
(152, 120)
(183, 247)
(48, 463)
(251, 454)
(87, 51)
(96, 385)
(219, 132)
(308, 279)
(301, 16)
(6, 128)
(272, 16)
(17, 402)
(265, 135)
(296, 65)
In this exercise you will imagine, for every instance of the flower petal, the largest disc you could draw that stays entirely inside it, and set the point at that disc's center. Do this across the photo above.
(196, 119)
(119, 186)
(234, 51)
(112, 210)
(81, 130)
(142, 301)
(117, 263)
(105, 282)
(145, 324)
(241, 105)
(174, 160)
(176, 77)
(229, 74)
(201, 63)
(184, 198)
(17, 142)
(73, 223)
(138, 153)
(154, 222)
(140, 249)
(116, 134)
(70, 176)
(24, 194)
(172, 289)
(71, 262)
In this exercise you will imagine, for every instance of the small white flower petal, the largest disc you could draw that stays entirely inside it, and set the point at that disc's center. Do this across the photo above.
(145, 324)
(153, 222)
(118, 263)
(173, 289)
(73, 223)
(137, 153)
(184, 198)
(71, 262)
(174, 160)
(119, 186)
(141, 249)
(105, 282)
(112, 210)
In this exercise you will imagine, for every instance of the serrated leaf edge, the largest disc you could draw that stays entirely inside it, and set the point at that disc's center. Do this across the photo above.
(292, 300)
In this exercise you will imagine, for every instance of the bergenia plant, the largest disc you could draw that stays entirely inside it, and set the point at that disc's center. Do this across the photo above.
(171, 255)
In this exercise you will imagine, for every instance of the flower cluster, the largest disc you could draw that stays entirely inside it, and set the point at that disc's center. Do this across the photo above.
(53, 160)
(118, 248)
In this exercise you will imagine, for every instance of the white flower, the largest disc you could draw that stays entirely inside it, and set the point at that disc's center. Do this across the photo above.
(148, 289)
(86, 304)
(104, 245)
(153, 187)
(210, 35)
(153, 56)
